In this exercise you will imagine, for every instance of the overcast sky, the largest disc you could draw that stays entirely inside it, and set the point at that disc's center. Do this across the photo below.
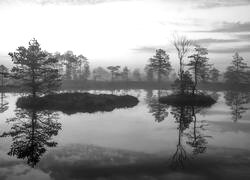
(126, 32)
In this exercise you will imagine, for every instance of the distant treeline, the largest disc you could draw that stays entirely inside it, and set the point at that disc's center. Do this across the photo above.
(118, 85)
(46, 71)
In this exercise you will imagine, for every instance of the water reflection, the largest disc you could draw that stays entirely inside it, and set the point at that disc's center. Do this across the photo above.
(184, 116)
(196, 137)
(3, 104)
(32, 133)
(158, 110)
(238, 103)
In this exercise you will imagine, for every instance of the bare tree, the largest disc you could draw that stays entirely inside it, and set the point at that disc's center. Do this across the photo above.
(182, 45)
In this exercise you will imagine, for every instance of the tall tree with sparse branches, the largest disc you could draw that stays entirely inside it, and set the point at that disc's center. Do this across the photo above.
(182, 46)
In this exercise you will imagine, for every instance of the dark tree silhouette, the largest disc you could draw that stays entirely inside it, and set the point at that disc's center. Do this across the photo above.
(31, 133)
(238, 102)
(36, 69)
(160, 64)
(158, 110)
(184, 86)
(198, 65)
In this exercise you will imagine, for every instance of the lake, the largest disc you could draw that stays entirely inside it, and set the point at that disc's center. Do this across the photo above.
(147, 141)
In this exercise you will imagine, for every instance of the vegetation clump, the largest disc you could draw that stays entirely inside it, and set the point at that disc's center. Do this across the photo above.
(188, 99)
(71, 103)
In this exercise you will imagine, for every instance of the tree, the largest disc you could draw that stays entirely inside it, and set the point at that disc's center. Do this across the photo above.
(214, 74)
(160, 64)
(182, 46)
(149, 73)
(137, 74)
(83, 68)
(198, 65)
(36, 69)
(184, 86)
(100, 73)
(71, 65)
(113, 70)
(125, 73)
(237, 72)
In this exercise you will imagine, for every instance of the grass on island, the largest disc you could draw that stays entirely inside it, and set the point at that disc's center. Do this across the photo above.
(186, 100)
(71, 103)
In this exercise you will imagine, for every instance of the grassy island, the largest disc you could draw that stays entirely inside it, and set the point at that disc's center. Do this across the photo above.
(71, 103)
(187, 99)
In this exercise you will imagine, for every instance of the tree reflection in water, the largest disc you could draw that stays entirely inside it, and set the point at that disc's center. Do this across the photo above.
(184, 116)
(3, 104)
(238, 103)
(31, 134)
(196, 139)
(158, 110)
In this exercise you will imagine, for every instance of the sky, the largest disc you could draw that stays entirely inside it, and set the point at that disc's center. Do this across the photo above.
(126, 32)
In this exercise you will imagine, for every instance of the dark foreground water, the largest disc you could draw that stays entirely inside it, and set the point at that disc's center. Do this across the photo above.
(148, 141)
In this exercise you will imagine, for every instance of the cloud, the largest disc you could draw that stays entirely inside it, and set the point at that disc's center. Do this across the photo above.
(152, 49)
(148, 49)
(215, 41)
(207, 4)
(240, 49)
(228, 27)
(243, 37)
(58, 2)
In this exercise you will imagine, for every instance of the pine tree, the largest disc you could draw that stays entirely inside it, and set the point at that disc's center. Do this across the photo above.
(36, 69)
(237, 72)
(160, 64)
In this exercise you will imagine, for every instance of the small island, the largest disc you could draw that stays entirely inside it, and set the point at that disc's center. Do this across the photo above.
(186, 100)
(185, 91)
(71, 103)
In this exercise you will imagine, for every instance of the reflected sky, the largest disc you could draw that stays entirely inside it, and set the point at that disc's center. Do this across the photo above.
(113, 144)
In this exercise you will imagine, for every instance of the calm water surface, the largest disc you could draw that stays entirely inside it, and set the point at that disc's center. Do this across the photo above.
(148, 141)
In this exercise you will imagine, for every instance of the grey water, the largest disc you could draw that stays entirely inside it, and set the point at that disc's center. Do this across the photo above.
(148, 141)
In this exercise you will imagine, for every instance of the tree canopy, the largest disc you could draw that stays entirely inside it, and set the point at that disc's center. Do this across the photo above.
(36, 69)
